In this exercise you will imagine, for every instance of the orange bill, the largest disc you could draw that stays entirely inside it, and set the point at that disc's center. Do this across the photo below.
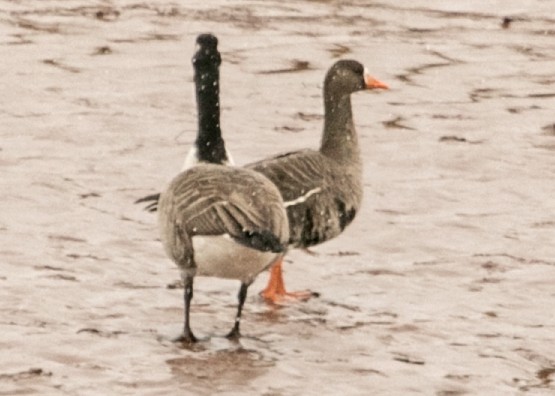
(373, 83)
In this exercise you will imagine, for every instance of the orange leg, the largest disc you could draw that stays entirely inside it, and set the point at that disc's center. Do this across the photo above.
(275, 291)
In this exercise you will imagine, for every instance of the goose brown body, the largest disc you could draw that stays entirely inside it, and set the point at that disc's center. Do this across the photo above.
(321, 195)
(223, 202)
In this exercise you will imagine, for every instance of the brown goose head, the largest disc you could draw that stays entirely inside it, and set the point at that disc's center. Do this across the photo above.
(348, 76)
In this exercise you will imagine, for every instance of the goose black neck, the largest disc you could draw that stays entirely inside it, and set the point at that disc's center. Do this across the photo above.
(210, 145)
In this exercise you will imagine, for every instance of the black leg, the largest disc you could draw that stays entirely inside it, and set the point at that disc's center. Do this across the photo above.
(187, 336)
(235, 333)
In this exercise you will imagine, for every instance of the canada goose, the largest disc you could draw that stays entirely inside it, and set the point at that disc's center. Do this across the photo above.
(215, 220)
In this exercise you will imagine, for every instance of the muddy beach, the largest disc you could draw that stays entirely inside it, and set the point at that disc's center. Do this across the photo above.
(443, 284)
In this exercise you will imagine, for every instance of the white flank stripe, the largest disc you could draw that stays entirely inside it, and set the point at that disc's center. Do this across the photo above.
(302, 198)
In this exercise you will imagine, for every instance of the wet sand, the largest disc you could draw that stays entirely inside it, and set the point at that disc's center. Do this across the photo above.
(443, 285)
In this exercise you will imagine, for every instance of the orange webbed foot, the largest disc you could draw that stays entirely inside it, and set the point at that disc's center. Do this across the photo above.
(275, 292)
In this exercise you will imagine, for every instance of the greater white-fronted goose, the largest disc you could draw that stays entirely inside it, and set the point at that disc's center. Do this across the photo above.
(322, 190)
(216, 220)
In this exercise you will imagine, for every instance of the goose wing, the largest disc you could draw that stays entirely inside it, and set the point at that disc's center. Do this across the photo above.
(215, 200)
(320, 201)
(298, 175)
